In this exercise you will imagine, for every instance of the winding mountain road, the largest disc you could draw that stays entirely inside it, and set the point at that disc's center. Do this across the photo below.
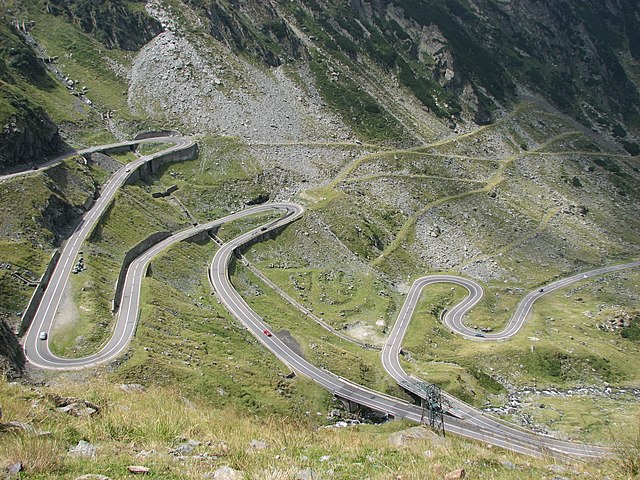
(37, 351)
(472, 423)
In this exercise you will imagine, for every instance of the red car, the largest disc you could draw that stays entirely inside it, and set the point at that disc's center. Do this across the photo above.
(267, 332)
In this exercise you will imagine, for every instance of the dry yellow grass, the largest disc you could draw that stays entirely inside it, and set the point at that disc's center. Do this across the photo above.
(143, 427)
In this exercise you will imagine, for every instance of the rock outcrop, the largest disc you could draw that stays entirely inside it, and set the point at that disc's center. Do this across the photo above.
(12, 359)
(111, 22)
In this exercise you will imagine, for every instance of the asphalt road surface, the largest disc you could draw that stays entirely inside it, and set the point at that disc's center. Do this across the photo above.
(471, 422)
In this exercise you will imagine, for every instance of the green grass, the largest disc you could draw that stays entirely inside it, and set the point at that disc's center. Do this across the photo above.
(358, 109)
(554, 349)
(221, 179)
(39, 207)
(427, 339)
(98, 137)
(125, 157)
(229, 231)
(82, 58)
(584, 417)
(316, 344)
(185, 336)
(340, 298)
(149, 148)
(21, 258)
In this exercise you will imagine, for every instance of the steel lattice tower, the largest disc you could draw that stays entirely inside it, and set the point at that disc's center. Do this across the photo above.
(432, 402)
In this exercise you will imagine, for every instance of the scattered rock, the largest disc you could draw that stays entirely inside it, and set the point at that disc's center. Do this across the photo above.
(556, 468)
(14, 468)
(508, 464)
(83, 450)
(92, 476)
(77, 410)
(25, 427)
(455, 474)
(258, 445)
(307, 474)
(145, 453)
(132, 387)
(138, 470)
(185, 448)
(225, 473)
(74, 406)
(405, 437)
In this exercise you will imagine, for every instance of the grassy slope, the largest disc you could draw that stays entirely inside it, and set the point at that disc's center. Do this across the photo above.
(182, 327)
(132, 217)
(31, 205)
(524, 228)
(161, 418)
(81, 58)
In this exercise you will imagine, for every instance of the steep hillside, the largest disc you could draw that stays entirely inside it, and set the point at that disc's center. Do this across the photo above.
(27, 133)
(491, 139)
(579, 55)
(58, 86)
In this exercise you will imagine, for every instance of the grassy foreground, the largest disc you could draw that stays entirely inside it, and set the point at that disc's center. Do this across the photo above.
(143, 427)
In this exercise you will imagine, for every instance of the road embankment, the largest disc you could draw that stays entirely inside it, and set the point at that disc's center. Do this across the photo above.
(129, 257)
(36, 297)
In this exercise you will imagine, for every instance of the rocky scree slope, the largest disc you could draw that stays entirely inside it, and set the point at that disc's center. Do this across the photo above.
(466, 63)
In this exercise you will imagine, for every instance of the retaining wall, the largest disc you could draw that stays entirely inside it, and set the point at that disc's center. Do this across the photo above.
(129, 257)
(268, 235)
(118, 149)
(36, 298)
(152, 166)
(156, 133)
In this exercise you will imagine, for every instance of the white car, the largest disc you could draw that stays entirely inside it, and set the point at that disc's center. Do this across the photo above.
(43, 335)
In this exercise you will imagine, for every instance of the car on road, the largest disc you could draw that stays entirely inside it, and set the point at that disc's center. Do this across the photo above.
(267, 332)
(480, 335)
(43, 335)
(128, 169)
(541, 290)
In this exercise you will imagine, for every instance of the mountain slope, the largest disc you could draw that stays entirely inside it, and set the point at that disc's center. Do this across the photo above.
(484, 138)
